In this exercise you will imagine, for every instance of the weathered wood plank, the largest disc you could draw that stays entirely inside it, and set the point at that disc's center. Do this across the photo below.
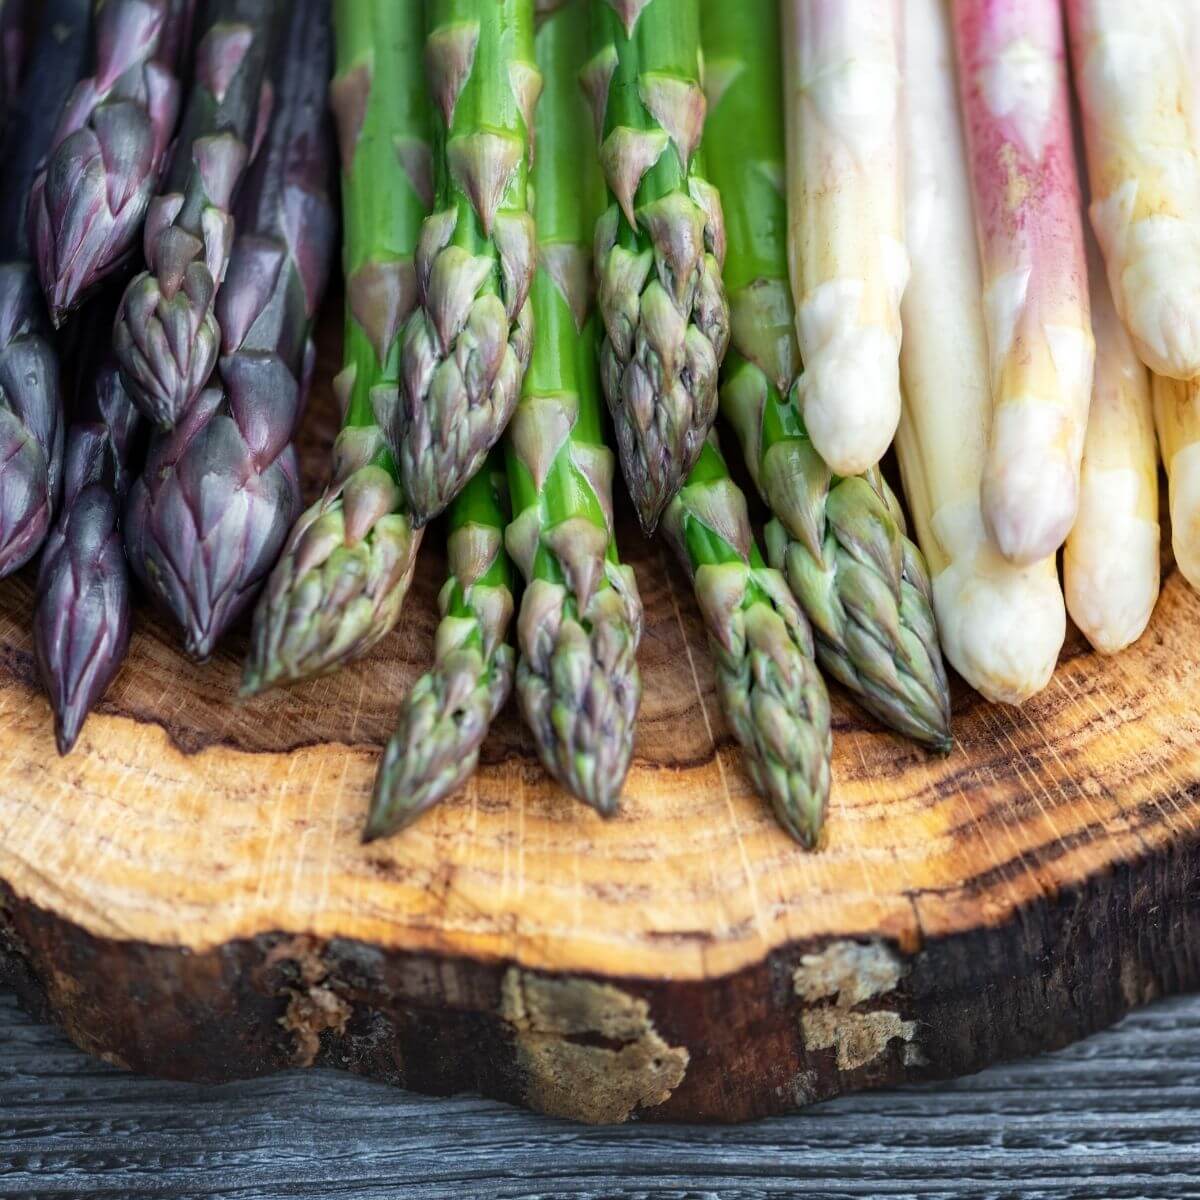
(1115, 1116)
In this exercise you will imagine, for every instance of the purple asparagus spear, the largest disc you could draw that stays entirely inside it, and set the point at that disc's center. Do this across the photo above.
(166, 336)
(207, 519)
(110, 149)
(31, 436)
(81, 620)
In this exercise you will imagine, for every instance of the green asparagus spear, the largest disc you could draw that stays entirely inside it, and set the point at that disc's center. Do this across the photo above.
(659, 246)
(581, 617)
(468, 343)
(446, 716)
(769, 687)
(840, 541)
(345, 570)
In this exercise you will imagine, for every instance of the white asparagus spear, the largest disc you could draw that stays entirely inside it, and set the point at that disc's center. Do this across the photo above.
(846, 221)
(1110, 564)
(1177, 417)
(1013, 84)
(1135, 72)
(1002, 625)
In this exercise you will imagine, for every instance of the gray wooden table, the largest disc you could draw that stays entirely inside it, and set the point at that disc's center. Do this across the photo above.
(1117, 1116)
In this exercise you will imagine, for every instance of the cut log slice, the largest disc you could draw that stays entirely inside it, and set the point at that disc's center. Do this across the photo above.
(187, 893)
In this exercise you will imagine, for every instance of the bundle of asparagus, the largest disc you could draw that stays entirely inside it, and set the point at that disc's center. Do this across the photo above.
(956, 214)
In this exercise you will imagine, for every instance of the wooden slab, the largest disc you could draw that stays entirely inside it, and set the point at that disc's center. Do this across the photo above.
(188, 896)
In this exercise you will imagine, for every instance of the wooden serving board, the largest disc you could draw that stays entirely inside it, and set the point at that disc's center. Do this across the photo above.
(188, 896)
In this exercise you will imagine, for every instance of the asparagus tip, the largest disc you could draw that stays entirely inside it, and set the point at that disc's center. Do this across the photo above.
(68, 724)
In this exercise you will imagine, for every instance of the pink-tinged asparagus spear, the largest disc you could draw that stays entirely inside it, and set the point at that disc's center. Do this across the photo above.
(1028, 212)
(166, 336)
(1110, 563)
(110, 148)
(1135, 69)
(848, 262)
(1001, 625)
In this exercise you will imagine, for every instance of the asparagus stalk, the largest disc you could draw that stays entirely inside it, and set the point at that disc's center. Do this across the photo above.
(1001, 625)
(1013, 78)
(81, 621)
(659, 246)
(839, 541)
(467, 343)
(208, 517)
(1111, 560)
(581, 616)
(1177, 420)
(846, 221)
(31, 422)
(345, 569)
(90, 198)
(166, 337)
(768, 685)
(446, 716)
(1134, 69)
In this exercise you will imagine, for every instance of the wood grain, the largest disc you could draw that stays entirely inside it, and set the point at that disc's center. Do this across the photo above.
(187, 893)
(1116, 1116)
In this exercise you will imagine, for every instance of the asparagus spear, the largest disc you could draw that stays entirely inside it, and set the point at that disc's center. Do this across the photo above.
(1111, 561)
(208, 516)
(839, 541)
(1134, 68)
(81, 620)
(1013, 80)
(846, 221)
(769, 687)
(31, 423)
(1001, 625)
(659, 247)
(1177, 420)
(166, 336)
(581, 617)
(467, 344)
(345, 569)
(90, 198)
(446, 716)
